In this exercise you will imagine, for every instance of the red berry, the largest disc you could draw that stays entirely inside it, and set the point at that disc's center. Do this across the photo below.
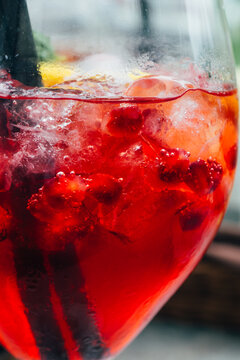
(215, 174)
(173, 165)
(204, 176)
(231, 157)
(64, 190)
(125, 121)
(105, 188)
(59, 195)
(191, 217)
(63, 217)
(198, 177)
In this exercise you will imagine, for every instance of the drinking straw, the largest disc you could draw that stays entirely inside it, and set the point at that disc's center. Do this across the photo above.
(17, 49)
(146, 44)
(18, 56)
(145, 15)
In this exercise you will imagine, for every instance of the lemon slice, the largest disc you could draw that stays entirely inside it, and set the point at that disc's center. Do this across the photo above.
(137, 74)
(54, 73)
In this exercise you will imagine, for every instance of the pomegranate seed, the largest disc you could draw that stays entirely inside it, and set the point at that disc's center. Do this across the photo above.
(173, 165)
(125, 121)
(61, 193)
(204, 176)
(197, 178)
(215, 174)
(105, 188)
(62, 190)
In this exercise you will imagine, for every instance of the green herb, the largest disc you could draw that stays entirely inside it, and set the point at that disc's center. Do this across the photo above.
(44, 48)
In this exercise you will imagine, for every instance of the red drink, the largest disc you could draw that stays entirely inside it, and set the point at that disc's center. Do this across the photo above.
(106, 207)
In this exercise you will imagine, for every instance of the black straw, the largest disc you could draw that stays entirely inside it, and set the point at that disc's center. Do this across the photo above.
(145, 14)
(18, 56)
(17, 48)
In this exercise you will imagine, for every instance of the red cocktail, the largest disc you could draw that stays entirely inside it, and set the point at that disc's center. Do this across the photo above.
(106, 207)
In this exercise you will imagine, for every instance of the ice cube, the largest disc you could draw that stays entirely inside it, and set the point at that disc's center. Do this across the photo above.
(157, 86)
(193, 123)
(153, 120)
(79, 141)
(35, 154)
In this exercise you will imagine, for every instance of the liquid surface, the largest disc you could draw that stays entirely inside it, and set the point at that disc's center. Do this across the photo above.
(106, 207)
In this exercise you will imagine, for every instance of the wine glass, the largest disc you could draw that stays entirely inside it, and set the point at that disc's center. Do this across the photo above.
(118, 153)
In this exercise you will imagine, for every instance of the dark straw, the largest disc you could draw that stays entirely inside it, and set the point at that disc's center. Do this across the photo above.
(17, 49)
(18, 56)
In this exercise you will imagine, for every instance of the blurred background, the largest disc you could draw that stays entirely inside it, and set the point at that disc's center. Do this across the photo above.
(202, 320)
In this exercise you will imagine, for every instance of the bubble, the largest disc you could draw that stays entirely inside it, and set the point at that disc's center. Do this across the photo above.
(61, 174)
(66, 158)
